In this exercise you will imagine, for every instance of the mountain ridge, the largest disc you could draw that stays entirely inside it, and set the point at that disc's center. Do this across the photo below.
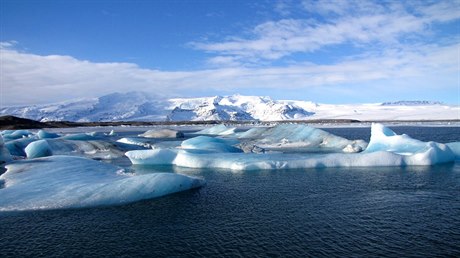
(139, 106)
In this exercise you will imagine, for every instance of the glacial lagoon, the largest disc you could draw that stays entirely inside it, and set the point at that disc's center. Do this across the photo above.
(313, 211)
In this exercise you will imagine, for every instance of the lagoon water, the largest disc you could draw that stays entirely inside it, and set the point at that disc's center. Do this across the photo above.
(341, 212)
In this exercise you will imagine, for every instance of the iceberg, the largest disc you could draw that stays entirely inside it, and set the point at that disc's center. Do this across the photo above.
(217, 130)
(5, 155)
(61, 182)
(38, 149)
(391, 154)
(288, 137)
(162, 133)
(91, 149)
(212, 144)
(9, 135)
(136, 141)
(46, 135)
(16, 147)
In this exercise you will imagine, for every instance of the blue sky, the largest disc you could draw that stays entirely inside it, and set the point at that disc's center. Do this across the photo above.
(331, 51)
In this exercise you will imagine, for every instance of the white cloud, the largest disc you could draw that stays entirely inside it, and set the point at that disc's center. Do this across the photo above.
(29, 79)
(353, 22)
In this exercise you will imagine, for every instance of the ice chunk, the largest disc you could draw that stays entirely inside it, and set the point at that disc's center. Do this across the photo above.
(9, 135)
(5, 155)
(46, 135)
(16, 147)
(384, 139)
(213, 144)
(295, 136)
(455, 148)
(217, 130)
(136, 141)
(152, 157)
(90, 149)
(38, 149)
(60, 182)
(162, 133)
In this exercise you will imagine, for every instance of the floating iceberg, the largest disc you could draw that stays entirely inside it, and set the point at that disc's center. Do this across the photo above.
(291, 136)
(146, 143)
(91, 149)
(217, 130)
(5, 155)
(38, 149)
(378, 155)
(212, 144)
(16, 147)
(60, 182)
(162, 133)
(9, 135)
(46, 135)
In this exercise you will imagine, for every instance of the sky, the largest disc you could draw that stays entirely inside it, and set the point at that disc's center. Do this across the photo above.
(326, 51)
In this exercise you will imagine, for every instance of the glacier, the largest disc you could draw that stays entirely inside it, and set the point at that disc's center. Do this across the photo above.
(61, 182)
(402, 151)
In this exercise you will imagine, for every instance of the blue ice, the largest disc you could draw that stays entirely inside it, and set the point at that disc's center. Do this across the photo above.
(379, 154)
(60, 182)
(212, 144)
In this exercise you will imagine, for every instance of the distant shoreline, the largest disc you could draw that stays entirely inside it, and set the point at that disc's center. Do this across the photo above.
(14, 123)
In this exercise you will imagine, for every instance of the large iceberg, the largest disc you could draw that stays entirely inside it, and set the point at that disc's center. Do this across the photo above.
(393, 154)
(59, 182)
(287, 137)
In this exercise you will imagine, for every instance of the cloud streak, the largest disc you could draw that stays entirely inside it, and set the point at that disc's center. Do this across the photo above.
(360, 23)
(31, 79)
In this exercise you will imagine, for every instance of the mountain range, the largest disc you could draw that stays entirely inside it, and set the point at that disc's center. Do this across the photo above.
(139, 106)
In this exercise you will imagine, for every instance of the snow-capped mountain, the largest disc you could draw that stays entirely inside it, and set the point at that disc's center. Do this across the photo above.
(235, 107)
(113, 107)
(139, 106)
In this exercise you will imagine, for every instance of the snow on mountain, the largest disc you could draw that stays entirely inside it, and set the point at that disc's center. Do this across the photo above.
(113, 107)
(235, 107)
(138, 106)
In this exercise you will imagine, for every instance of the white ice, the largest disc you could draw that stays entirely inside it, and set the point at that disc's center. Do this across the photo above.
(217, 130)
(211, 144)
(136, 141)
(378, 155)
(162, 133)
(296, 136)
(60, 182)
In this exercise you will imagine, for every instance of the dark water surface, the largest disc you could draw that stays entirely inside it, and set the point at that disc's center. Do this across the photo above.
(336, 212)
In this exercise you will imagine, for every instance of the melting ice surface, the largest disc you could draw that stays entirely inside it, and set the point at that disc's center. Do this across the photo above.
(385, 149)
(73, 182)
